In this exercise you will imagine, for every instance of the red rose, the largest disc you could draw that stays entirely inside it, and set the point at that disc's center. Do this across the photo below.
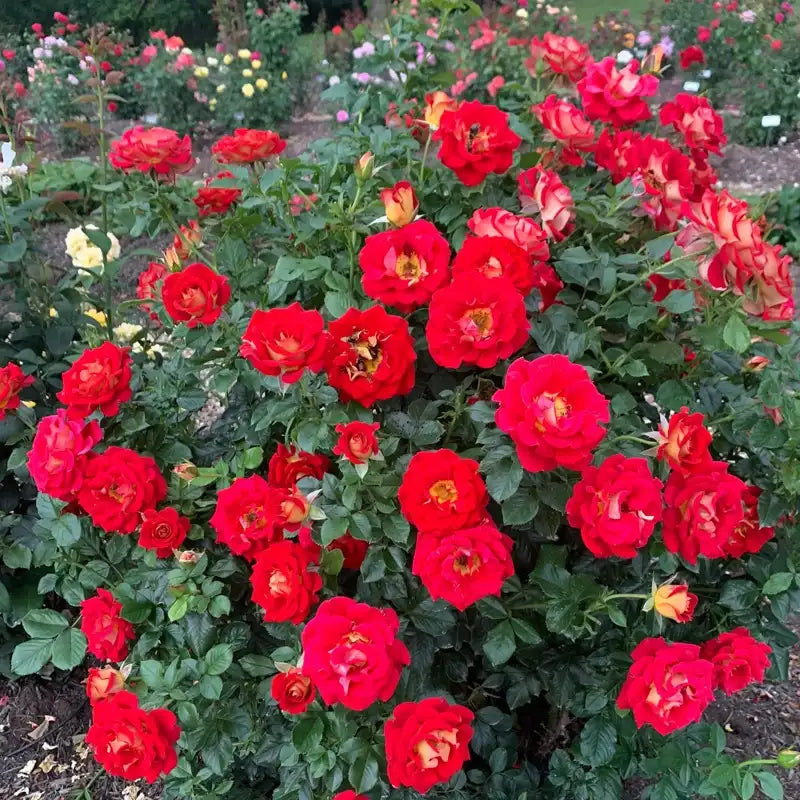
(426, 743)
(188, 238)
(354, 550)
(105, 630)
(683, 442)
(403, 267)
(694, 118)
(738, 660)
(352, 654)
(293, 691)
(12, 381)
(476, 320)
(148, 285)
(158, 149)
(703, 33)
(749, 536)
(693, 54)
(567, 125)
(669, 685)
(98, 380)
(118, 485)
(103, 683)
(552, 411)
(547, 283)
(564, 55)
(541, 190)
(196, 295)
(59, 453)
(616, 96)
(212, 199)
(441, 490)
(616, 506)
(289, 464)
(285, 342)
(370, 356)
(618, 152)
(132, 743)
(400, 202)
(465, 565)
(675, 602)
(494, 257)
(703, 511)
(661, 287)
(349, 794)
(476, 140)
(357, 441)
(246, 146)
(284, 584)
(521, 231)
(163, 531)
(249, 515)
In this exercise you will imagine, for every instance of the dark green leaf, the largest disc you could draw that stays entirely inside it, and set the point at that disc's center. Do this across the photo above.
(500, 643)
(29, 657)
(42, 623)
(735, 334)
(218, 659)
(363, 772)
(598, 741)
(69, 649)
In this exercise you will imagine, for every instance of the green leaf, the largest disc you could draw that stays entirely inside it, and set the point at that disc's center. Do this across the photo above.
(520, 508)
(331, 562)
(308, 733)
(504, 479)
(29, 657)
(777, 583)
(210, 687)
(735, 334)
(525, 632)
(15, 250)
(69, 649)
(218, 659)
(739, 594)
(66, 530)
(117, 547)
(257, 665)
(42, 623)
(679, 301)
(253, 456)
(770, 785)
(748, 786)
(17, 556)
(500, 643)
(98, 238)
(598, 741)
(656, 249)
(152, 673)
(179, 608)
(722, 775)
(363, 772)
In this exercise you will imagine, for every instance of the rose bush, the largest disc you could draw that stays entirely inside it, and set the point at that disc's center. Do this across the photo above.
(482, 408)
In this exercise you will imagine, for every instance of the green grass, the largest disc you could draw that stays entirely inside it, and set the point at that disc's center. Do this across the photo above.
(588, 10)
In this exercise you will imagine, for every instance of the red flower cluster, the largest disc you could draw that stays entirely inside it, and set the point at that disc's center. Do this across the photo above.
(289, 464)
(476, 140)
(566, 125)
(195, 296)
(163, 531)
(694, 118)
(159, 150)
(352, 654)
(521, 231)
(738, 660)
(693, 54)
(148, 285)
(12, 381)
(749, 535)
(132, 743)
(616, 96)
(616, 506)
(211, 199)
(357, 441)
(247, 146)
(541, 190)
(293, 691)
(564, 55)
(683, 442)
(552, 411)
(405, 266)
(495, 257)
(105, 630)
(285, 342)
(98, 380)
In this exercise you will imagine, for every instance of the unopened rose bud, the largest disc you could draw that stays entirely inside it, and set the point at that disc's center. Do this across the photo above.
(186, 471)
(401, 203)
(102, 683)
(756, 363)
(675, 602)
(364, 166)
(188, 557)
(788, 759)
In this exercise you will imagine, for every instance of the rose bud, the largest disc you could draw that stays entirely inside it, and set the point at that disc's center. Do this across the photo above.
(401, 203)
(189, 557)
(364, 166)
(101, 683)
(186, 471)
(357, 441)
(788, 759)
(675, 602)
(756, 363)
(293, 691)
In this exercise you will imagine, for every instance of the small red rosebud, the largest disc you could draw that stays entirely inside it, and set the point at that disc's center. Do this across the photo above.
(112, 106)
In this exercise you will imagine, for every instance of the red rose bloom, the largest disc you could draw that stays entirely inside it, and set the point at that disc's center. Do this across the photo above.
(148, 285)
(132, 743)
(465, 565)
(357, 441)
(354, 550)
(98, 380)
(284, 584)
(12, 381)
(103, 683)
(370, 356)
(552, 411)
(476, 140)
(669, 686)
(566, 124)
(616, 506)
(352, 654)
(521, 231)
(212, 199)
(163, 531)
(749, 536)
(289, 464)
(293, 691)
(105, 630)
(738, 660)
(158, 149)
(693, 54)
(249, 515)
(285, 342)
(616, 95)
(495, 257)
(118, 485)
(683, 442)
(196, 295)
(403, 267)
(442, 491)
(564, 55)
(426, 743)
(547, 283)
(703, 511)
(349, 794)
(476, 320)
(59, 453)
(541, 190)
(246, 146)
(694, 118)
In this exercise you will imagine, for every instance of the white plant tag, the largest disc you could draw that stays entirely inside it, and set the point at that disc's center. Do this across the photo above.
(706, 73)
(691, 86)
(771, 121)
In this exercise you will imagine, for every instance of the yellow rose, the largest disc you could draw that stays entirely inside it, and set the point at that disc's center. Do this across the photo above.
(248, 90)
(29, 403)
(284, 75)
(262, 84)
(247, 73)
(212, 103)
(127, 331)
(84, 253)
(228, 58)
(243, 53)
(201, 72)
(256, 64)
(53, 312)
(98, 316)
(221, 88)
